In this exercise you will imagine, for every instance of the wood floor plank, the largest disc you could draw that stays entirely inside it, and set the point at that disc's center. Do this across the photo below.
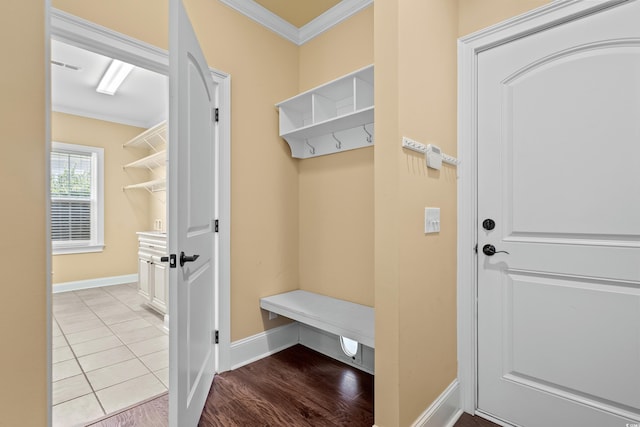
(467, 420)
(296, 387)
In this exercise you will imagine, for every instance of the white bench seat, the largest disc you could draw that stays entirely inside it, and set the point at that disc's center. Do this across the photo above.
(348, 319)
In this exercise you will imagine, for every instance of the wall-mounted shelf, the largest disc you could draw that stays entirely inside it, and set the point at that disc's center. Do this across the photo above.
(151, 138)
(155, 139)
(331, 118)
(151, 162)
(151, 186)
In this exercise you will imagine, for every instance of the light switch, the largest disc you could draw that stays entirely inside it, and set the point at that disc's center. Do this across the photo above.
(431, 220)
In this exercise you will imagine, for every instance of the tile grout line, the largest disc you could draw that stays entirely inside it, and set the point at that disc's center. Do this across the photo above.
(117, 301)
(81, 370)
(119, 339)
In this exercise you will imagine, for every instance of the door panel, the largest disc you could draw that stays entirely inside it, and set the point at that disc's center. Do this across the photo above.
(559, 172)
(191, 203)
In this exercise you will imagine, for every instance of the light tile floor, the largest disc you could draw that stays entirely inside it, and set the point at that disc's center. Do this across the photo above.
(109, 352)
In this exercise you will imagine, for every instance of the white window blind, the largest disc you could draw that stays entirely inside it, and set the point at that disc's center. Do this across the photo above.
(76, 211)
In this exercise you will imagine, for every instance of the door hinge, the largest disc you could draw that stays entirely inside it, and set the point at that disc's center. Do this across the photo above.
(216, 115)
(475, 248)
(215, 226)
(216, 337)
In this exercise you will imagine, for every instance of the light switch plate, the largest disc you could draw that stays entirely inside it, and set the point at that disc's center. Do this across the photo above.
(431, 220)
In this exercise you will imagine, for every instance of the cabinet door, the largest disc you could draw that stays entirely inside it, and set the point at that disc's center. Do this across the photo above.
(143, 277)
(160, 287)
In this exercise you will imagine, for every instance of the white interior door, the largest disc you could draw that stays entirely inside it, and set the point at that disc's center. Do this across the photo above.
(191, 204)
(559, 174)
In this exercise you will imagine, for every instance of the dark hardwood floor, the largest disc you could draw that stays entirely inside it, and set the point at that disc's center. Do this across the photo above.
(293, 388)
(467, 420)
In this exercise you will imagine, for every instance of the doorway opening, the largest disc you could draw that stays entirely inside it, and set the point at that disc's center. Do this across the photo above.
(110, 338)
(72, 30)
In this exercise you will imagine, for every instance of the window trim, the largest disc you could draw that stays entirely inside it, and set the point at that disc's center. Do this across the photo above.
(96, 244)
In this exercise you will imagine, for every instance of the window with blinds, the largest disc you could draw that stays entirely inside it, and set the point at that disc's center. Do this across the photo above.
(76, 224)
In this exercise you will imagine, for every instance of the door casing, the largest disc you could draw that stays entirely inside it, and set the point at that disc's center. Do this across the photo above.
(553, 14)
(87, 35)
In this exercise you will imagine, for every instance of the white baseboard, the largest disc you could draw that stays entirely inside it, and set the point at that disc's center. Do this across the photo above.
(266, 343)
(444, 411)
(329, 345)
(261, 345)
(93, 283)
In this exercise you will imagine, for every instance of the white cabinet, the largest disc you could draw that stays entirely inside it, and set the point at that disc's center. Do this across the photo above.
(155, 139)
(331, 118)
(153, 279)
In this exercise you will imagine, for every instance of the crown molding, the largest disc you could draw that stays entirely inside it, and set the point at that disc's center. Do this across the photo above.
(265, 17)
(330, 18)
(299, 36)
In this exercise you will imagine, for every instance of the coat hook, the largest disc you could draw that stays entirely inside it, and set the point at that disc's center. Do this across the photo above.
(369, 136)
(339, 144)
(312, 148)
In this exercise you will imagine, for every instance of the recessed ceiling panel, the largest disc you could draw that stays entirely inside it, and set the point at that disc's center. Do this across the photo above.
(298, 12)
(141, 100)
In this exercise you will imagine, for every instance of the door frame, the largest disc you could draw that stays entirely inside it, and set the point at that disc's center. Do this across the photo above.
(540, 19)
(88, 35)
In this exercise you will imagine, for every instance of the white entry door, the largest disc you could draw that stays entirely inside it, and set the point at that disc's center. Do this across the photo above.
(191, 205)
(559, 177)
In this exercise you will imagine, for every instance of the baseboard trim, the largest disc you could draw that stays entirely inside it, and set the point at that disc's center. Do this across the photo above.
(93, 283)
(444, 411)
(264, 344)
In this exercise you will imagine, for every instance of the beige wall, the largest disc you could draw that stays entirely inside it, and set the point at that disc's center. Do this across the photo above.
(475, 15)
(23, 324)
(415, 275)
(427, 263)
(336, 191)
(415, 315)
(264, 184)
(125, 212)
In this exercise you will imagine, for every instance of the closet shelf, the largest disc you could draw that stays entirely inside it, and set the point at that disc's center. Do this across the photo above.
(348, 121)
(151, 186)
(331, 118)
(151, 138)
(150, 162)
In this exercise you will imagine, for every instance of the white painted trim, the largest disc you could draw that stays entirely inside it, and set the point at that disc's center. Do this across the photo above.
(264, 344)
(259, 346)
(104, 117)
(330, 18)
(266, 18)
(88, 35)
(79, 32)
(553, 14)
(223, 316)
(299, 36)
(47, 185)
(444, 411)
(94, 283)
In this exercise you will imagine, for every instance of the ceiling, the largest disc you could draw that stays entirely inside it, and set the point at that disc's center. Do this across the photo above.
(298, 12)
(141, 101)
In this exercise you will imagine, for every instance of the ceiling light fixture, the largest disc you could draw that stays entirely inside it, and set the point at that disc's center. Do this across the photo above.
(113, 77)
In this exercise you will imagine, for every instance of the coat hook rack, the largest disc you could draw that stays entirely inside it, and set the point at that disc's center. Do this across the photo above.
(369, 136)
(339, 144)
(312, 149)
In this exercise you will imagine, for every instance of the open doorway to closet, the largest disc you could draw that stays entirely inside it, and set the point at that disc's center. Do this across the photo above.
(108, 233)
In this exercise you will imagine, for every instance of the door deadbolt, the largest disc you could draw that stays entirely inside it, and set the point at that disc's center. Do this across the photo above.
(488, 224)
